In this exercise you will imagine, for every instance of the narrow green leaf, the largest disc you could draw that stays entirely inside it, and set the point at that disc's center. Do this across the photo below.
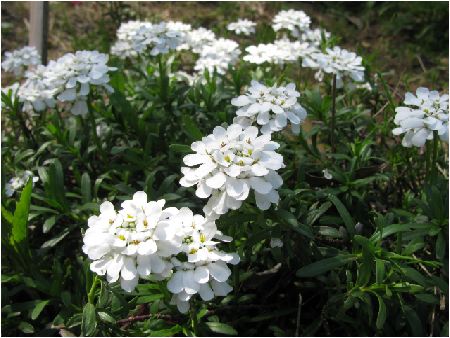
(180, 148)
(89, 321)
(222, 328)
(26, 327)
(106, 317)
(48, 224)
(86, 188)
(20, 219)
(381, 317)
(38, 309)
(324, 265)
(342, 210)
(191, 128)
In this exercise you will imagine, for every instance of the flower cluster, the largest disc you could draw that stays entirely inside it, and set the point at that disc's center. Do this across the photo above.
(231, 162)
(18, 182)
(427, 112)
(270, 108)
(145, 240)
(291, 20)
(242, 26)
(218, 55)
(68, 79)
(339, 62)
(279, 52)
(18, 60)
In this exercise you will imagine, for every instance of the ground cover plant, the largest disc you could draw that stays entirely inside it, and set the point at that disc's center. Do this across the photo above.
(253, 179)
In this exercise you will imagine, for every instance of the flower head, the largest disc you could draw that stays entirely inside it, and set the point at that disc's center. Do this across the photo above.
(231, 162)
(218, 55)
(427, 112)
(337, 61)
(242, 26)
(291, 20)
(18, 60)
(270, 107)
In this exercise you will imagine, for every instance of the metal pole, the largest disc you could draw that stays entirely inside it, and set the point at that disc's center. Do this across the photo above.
(39, 27)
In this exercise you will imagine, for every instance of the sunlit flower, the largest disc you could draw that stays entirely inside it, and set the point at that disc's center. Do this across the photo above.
(219, 55)
(242, 26)
(276, 242)
(337, 61)
(279, 52)
(427, 112)
(231, 162)
(291, 20)
(18, 60)
(314, 36)
(270, 107)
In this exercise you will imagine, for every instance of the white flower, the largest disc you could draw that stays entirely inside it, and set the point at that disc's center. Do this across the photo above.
(218, 55)
(242, 26)
(134, 242)
(291, 20)
(204, 269)
(231, 162)
(17, 60)
(314, 36)
(199, 38)
(327, 174)
(269, 107)
(279, 52)
(427, 112)
(18, 182)
(337, 61)
(276, 242)
(144, 240)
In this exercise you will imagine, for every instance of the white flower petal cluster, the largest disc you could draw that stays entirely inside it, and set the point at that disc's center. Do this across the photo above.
(291, 20)
(199, 38)
(228, 163)
(140, 37)
(279, 52)
(36, 93)
(201, 268)
(145, 240)
(427, 112)
(337, 61)
(314, 36)
(242, 26)
(68, 79)
(18, 182)
(18, 60)
(218, 55)
(270, 108)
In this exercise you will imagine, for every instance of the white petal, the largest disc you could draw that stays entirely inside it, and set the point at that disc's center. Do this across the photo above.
(221, 289)
(216, 181)
(129, 285)
(175, 284)
(201, 274)
(219, 271)
(129, 270)
(147, 248)
(190, 285)
(206, 292)
(260, 185)
(203, 190)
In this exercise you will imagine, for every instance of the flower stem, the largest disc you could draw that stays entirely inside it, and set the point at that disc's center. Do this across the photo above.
(92, 290)
(94, 128)
(333, 115)
(193, 315)
(435, 155)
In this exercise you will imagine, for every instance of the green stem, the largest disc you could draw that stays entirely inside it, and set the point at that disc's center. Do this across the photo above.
(94, 128)
(428, 160)
(91, 293)
(333, 115)
(435, 155)
(193, 315)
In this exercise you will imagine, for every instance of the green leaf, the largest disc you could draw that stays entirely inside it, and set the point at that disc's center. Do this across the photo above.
(86, 188)
(26, 327)
(180, 148)
(89, 321)
(414, 321)
(324, 265)
(52, 242)
(7, 215)
(440, 246)
(381, 317)
(166, 332)
(149, 299)
(106, 317)
(20, 218)
(342, 210)
(379, 271)
(222, 328)
(38, 309)
(191, 128)
(48, 224)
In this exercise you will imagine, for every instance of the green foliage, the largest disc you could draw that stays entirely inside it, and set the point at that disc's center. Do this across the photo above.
(366, 250)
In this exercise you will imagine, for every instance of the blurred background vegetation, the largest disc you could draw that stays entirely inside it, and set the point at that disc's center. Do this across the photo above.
(374, 29)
